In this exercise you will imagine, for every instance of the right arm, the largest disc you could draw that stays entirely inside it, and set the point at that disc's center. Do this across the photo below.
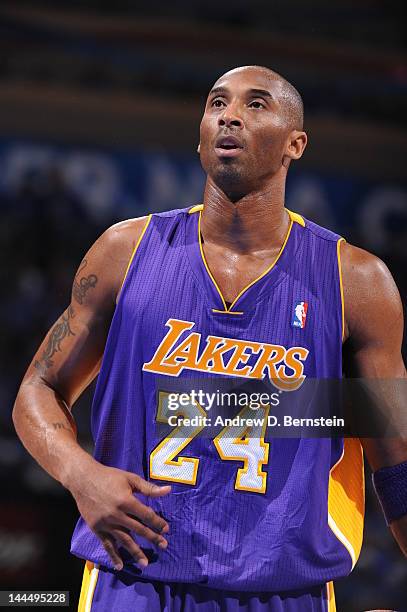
(64, 365)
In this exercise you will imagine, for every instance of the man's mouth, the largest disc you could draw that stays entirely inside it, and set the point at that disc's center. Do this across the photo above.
(228, 146)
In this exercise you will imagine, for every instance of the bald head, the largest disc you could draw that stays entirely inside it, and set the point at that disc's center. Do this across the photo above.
(251, 129)
(288, 96)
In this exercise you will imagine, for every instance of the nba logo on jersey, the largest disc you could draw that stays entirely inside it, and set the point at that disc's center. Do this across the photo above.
(300, 314)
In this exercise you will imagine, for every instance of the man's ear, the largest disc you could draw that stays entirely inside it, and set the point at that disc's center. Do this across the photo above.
(199, 148)
(296, 144)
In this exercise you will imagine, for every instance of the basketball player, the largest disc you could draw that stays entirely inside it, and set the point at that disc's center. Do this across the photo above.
(229, 524)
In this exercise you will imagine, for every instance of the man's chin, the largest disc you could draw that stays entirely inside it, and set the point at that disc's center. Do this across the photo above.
(230, 179)
(228, 174)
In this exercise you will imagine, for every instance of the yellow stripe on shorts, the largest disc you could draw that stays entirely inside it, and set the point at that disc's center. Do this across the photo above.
(90, 577)
(331, 596)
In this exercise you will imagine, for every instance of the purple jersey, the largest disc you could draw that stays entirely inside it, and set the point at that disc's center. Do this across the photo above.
(257, 513)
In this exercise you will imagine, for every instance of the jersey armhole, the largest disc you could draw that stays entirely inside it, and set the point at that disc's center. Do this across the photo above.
(338, 252)
(147, 223)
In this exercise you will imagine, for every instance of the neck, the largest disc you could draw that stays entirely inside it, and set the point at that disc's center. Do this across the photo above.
(255, 222)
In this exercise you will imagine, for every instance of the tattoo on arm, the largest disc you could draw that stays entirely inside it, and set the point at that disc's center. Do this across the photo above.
(61, 330)
(61, 425)
(82, 285)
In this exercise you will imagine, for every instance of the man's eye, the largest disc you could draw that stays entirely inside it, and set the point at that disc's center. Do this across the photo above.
(218, 103)
(256, 104)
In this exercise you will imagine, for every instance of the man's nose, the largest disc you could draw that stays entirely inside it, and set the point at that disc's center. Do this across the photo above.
(230, 118)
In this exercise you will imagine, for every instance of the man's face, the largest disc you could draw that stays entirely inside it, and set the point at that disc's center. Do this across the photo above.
(244, 129)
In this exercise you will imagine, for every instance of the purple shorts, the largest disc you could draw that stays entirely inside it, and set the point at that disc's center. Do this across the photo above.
(104, 590)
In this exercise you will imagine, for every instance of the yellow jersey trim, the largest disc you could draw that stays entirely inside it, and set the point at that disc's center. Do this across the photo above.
(343, 539)
(227, 312)
(134, 252)
(293, 218)
(267, 270)
(195, 209)
(89, 581)
(205, 263)
(338, 251)
(346, 498)
(296, 217)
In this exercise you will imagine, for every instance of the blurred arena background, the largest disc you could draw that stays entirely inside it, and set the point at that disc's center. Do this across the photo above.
(100, 104)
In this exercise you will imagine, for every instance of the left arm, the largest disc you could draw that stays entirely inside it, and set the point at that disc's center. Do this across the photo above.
(373, 338)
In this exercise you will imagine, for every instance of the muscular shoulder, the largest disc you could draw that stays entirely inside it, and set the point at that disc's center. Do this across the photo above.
(372, 301)
(109, 256)
(120, 239)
